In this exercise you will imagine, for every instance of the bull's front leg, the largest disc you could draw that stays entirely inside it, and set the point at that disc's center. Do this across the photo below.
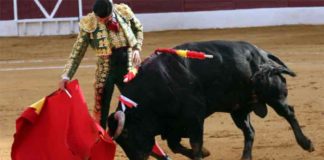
(176, 147)
(192, 117)
(242, 121)
(288, 113)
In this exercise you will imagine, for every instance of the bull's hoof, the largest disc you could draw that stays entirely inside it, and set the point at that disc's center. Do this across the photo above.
(311, 147)
(205, 152)
(307, 145)
(246, 157)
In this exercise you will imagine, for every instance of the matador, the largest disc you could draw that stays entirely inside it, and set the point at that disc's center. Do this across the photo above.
(116, 35)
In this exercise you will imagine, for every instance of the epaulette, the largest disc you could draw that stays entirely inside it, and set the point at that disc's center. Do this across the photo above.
(89, 23)
(124, 11)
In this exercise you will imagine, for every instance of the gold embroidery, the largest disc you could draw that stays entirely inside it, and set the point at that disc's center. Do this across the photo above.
(80, 40)
(104, 34)
(77, 53)
(106, 42)
(99, 35)
(89, 23)
(91, 36)
(101, 75)
(103, 52)
(124, 10)
(102, 26)
(101, 43)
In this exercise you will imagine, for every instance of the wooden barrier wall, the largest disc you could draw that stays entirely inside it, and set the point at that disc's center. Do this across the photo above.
(28, 9)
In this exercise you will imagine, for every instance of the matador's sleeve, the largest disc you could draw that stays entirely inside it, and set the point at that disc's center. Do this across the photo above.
(79, 48)
(137, 28)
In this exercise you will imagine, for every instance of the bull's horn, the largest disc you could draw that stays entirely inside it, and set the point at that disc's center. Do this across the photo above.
(120, 117)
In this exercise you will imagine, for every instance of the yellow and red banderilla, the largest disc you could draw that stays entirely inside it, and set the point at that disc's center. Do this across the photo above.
(182, 53)
(185, 53)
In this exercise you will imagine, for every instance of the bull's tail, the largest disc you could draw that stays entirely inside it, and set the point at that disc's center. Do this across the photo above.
(282, 68)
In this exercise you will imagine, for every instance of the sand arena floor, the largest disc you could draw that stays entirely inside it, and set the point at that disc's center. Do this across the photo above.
(30, 68)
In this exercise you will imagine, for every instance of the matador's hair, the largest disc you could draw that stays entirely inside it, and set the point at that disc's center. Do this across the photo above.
(102, 8)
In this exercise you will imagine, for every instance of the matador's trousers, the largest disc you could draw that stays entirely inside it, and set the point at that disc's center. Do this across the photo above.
(110, 71)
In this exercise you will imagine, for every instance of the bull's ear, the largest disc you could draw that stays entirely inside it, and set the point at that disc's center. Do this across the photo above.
(260, 109)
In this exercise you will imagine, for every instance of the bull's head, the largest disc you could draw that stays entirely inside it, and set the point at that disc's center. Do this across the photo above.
(129, 136)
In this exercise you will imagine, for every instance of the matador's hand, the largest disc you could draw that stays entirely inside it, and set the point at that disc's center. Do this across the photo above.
(136, 57)
(62, 83)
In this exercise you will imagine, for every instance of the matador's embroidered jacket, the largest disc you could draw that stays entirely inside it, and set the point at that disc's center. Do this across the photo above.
(94, 33)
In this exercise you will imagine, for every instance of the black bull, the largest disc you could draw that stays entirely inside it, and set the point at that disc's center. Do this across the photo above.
(175, 95)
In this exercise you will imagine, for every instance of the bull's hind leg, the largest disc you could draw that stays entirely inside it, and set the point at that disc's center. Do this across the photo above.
(242, 121)
(288, 113)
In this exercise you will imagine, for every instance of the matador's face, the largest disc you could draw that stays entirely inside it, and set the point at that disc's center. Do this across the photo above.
(105, 19)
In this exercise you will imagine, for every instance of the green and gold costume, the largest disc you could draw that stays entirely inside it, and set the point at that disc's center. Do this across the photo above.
(104, 42)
